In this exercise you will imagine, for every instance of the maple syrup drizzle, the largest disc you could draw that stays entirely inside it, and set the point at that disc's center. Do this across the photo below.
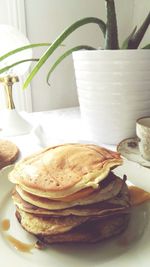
(138, 195)
(5, 225)
(19, 245)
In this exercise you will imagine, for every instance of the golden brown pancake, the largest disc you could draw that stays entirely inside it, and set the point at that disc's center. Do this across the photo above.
(109, 188)
(48, 225)
(9, 153)
(60, 171)
(118, 204)
(87, 232)
(86, 192)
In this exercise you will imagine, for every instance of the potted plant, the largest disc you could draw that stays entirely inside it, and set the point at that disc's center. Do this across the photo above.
(113, 82)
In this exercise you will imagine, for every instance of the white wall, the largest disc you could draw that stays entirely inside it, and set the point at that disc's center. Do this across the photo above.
(12, 13)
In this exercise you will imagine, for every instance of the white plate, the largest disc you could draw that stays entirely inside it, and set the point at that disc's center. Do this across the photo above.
(132, 248)
(129, 148)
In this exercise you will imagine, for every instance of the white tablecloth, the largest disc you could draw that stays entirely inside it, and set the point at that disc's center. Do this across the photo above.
(51, 128)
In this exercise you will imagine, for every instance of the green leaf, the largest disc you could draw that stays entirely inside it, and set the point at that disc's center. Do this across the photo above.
(17, 63)
(127, 40)
(59, 40)
(146, 47)
(137, 38)
(19, 49)
(66, 54)
(111, 38)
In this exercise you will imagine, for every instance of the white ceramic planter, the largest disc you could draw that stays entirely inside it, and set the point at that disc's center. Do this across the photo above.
(114, 90)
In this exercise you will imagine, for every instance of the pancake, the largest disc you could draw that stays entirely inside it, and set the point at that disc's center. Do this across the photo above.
(87, 232)
(118, 204)
(110, 187)
(48, 225)
(60, 171)
(9, 153)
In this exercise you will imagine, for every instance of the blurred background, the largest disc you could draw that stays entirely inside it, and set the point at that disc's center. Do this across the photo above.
(43, 21)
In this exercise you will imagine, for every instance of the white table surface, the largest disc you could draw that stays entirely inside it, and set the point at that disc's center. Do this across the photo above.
(51, 128)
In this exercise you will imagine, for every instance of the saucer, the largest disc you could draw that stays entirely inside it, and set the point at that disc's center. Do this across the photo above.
(129, 149)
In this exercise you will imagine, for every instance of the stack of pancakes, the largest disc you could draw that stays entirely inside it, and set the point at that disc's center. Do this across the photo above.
(68, 193)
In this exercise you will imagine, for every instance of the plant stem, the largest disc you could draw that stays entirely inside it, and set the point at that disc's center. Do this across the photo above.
(17, 63)
(59, 40)
(136, 39)
(66, 54)
(19, 49)
(111, 38)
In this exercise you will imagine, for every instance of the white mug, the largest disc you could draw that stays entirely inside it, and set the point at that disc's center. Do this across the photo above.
(143, 133)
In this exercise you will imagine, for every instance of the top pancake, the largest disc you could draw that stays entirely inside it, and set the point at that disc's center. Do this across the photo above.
(60, 171)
